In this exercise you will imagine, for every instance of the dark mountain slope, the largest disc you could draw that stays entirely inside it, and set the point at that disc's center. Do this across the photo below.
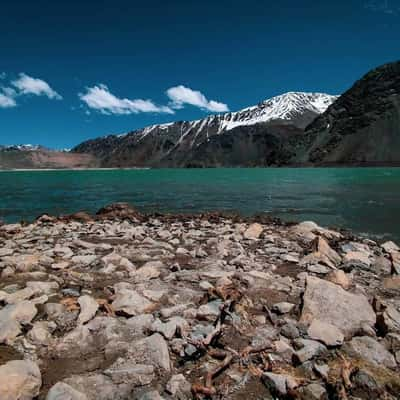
(361, 127)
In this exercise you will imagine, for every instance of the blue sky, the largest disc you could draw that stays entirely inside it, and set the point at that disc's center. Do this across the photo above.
(74, 70)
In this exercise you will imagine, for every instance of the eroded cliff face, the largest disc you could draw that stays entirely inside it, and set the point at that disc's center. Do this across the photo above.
(362, 126)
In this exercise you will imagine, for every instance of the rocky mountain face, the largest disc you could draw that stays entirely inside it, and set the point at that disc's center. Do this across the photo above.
(361, 127)
(254, 136)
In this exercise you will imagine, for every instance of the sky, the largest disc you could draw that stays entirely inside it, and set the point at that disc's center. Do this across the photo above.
(74, 70)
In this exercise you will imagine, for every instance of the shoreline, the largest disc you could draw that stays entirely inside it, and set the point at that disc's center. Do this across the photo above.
(325, 166)
(154, 306)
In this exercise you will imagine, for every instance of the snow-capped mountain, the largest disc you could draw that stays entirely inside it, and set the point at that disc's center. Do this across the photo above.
(179, 143)
(290, 107)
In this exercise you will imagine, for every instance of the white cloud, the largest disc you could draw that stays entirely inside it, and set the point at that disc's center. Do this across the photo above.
(181, 95)
(100, 98)
(28, 85)
(6, 101)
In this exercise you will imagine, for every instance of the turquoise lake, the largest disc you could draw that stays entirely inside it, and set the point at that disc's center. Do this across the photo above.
(366, 200)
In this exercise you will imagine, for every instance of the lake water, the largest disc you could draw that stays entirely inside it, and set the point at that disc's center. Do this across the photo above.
(366, 200)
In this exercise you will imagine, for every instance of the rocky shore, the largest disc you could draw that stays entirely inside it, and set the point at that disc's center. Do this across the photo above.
(124, 306)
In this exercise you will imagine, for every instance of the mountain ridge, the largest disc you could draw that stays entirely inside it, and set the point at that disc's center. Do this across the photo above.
(184, 143)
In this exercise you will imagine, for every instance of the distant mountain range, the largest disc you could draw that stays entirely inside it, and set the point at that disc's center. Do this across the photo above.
(360, 127)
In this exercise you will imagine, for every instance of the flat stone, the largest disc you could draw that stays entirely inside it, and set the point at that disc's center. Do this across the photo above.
(19, 380)
(331, 304)
(131, 302)
(62, 391)
(357, 259)
(127, 371)
(309, 349)
(89, 307)
(326, 333)
(150, 270)
(390, 247)
(253, 231)
(371, 350)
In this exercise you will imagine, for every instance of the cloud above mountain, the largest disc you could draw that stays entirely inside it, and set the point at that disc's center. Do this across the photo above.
(100, 98)
(182, 95)
(24, 85)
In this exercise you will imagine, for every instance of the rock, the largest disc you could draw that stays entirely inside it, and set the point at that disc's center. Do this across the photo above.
(6, 252)
(395, 256)
(89, 307)
(127, 371)
(322, 370)
(357, 259)
(179, 387)
(253, 231)
(390, 247)
(339, 277)
(318, 269)
(309, 349)
(326, 333)
(290, 331)
(19, 380)
(152, 350)
(60, 265)
(85, 261)
(370, 350)
(313, 391)
(209, 310)
(12, 316)
(283, 307)
(152, 395)
(168, 329)
(365, 386)
(150, 270)
(275, 383)
(99, 387)
(392, 283)
(329, 303)
(40, 334)
(131, 302)
(62, 391)
(119, 210)
(382, 265)
(389, 320)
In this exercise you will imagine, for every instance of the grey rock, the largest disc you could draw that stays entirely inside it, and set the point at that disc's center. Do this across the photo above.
(331, 304)
(62, 391)
(309, 349)
(370, 350)
(179, 387)
(127, 371)
(131, 302)
(326, 333)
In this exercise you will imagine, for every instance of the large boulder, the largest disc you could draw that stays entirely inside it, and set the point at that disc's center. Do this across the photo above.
(19, 380)
(331, 304)
(370, 350)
